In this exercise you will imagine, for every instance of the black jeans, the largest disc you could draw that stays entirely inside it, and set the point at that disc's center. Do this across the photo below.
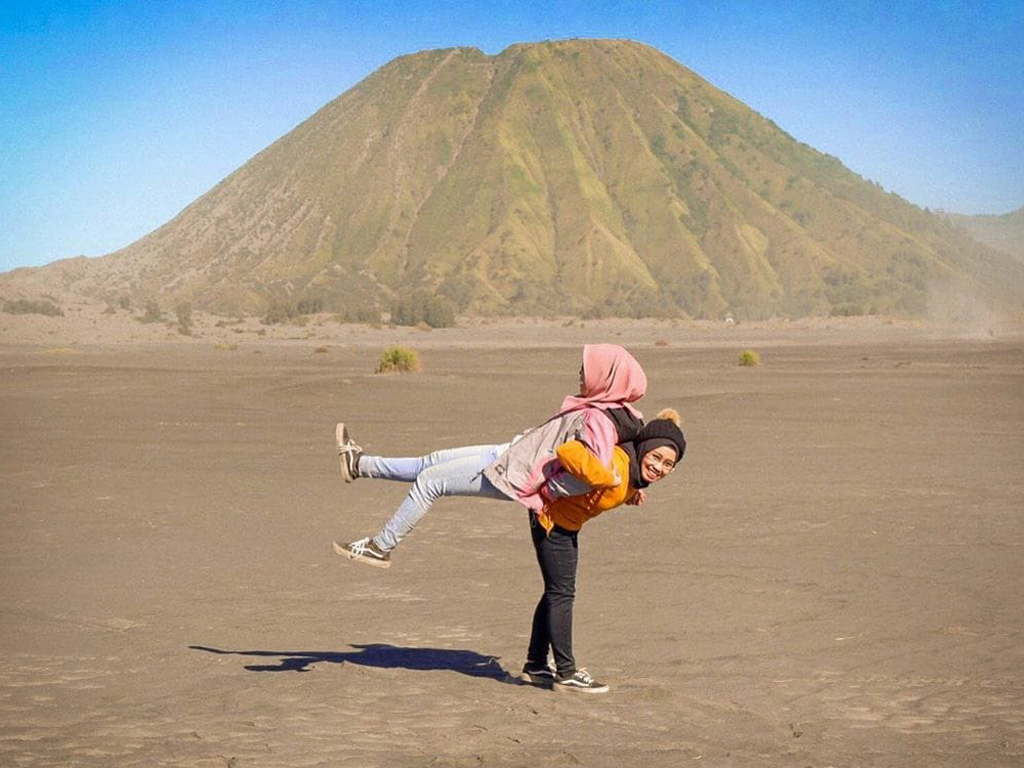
(557, 555)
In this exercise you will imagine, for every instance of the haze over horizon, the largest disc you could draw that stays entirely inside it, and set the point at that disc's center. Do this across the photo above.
(116, 116)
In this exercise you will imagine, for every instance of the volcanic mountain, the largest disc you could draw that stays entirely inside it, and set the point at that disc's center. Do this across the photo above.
(573, 177)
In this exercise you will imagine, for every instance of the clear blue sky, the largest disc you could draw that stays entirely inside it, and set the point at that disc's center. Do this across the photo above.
(116, 114)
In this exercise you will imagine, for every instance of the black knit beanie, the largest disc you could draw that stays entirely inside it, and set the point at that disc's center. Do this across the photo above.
(658, 432)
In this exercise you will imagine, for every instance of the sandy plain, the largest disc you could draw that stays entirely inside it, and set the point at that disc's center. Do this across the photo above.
(833, 577)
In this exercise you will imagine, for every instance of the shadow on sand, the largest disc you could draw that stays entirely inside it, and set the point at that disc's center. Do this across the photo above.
(377, 655)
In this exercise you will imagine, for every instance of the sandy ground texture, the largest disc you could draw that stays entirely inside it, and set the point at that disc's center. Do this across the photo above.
(832, 578)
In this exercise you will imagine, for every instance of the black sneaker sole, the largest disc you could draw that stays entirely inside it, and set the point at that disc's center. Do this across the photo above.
(346, 552)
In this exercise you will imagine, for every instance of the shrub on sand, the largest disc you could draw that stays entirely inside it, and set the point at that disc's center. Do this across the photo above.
(749, 358)
(399, 360)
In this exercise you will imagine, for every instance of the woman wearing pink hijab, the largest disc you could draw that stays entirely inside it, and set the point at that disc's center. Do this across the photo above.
(526, 470)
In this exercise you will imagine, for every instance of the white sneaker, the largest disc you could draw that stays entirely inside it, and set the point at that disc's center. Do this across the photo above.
(364, 551)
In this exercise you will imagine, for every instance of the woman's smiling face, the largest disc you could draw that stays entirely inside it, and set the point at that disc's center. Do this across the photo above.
(657, 463)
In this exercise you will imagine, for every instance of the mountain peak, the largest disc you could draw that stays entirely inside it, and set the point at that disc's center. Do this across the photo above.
(568, 176)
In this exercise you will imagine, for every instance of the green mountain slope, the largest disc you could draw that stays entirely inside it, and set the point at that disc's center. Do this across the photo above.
(575, 177)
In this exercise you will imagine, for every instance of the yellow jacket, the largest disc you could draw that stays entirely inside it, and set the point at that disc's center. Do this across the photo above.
(610, 487)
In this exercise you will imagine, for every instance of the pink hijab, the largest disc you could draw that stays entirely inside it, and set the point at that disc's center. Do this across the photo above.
(612, 378)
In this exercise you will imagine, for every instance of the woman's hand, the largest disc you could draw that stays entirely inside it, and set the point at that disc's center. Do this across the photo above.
(638, 498)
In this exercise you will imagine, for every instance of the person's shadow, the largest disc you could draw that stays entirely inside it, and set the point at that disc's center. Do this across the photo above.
(378, 655)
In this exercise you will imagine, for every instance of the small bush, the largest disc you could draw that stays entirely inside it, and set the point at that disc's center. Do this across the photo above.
(153, 313)
(848, 309)
(26, 307)
(363, 315)
(749, 358)
(399, 360)
(293, 312)
(276, 315)
(184, 314)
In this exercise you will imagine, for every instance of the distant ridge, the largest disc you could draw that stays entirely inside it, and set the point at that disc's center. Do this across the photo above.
(593, 177)
(1004, 233)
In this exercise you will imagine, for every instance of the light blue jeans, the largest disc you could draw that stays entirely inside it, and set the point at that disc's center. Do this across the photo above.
(452, 472)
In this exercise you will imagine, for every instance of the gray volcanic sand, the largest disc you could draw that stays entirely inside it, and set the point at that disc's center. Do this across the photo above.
(833, 577)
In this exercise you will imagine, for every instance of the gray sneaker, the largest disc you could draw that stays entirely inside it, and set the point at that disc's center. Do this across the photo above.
(580, 681)
(364, 551)
(348, 453)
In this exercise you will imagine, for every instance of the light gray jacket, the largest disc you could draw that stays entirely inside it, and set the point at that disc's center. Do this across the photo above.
(522, 471)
